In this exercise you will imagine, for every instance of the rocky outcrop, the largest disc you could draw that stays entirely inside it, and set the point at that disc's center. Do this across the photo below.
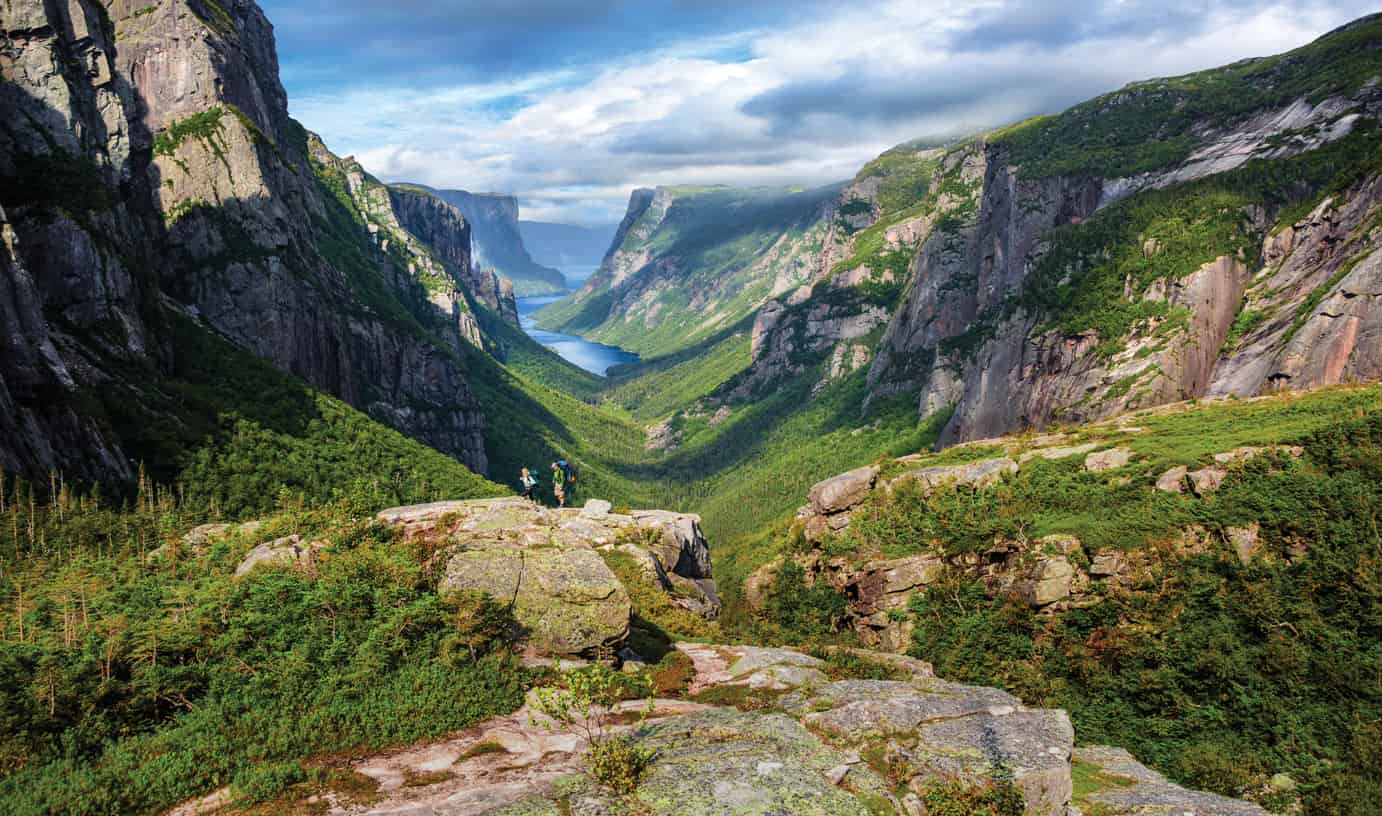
(823, 748)
(498, 245)
(545, 565)
(153, 166)
(1052, 573)
(1316, 305)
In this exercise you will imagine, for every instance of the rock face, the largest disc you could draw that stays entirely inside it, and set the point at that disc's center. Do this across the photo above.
(443, 228)
(963, 337)
(151, 167)
(545, 565)
(498, 244)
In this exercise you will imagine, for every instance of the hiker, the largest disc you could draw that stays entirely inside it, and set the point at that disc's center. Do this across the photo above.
(559, 484)
(529, 483)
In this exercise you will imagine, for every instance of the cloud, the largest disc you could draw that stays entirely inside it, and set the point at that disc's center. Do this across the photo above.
(572, 113)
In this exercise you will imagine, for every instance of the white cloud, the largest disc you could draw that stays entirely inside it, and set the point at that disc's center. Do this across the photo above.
(810, 105)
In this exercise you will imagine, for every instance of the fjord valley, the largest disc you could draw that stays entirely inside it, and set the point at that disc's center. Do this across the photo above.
(1029, 470)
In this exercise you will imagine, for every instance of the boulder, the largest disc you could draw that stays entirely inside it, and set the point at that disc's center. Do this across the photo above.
(1064, 452)
(1173, 480)
(727, 761)
(888, 584)
(685, 530)
(1248, 453)
(758, 583)
(570, 602)
(1108, 564)
(1046, 581)
(289, 551)
(840, 493)
(596, 508)
(1110, 459)
(984, 473)
(1206, 480)
(1145, 792)
(1245, 540)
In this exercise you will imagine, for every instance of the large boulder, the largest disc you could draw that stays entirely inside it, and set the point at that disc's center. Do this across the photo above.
(984, 473)
(545, 564)
(950, 729)
(1046, 581)
(1110, 459)
(567, 600)
(289, 551)
(839, 493)
(683, 531)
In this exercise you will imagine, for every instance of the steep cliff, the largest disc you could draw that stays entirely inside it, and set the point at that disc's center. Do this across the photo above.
(688, 263)
(493, 220)
(152, 169)
(442, 227)
(1089, 279)
(1209, 234)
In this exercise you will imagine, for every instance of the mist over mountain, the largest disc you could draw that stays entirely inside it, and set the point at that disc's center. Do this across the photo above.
(561, 245)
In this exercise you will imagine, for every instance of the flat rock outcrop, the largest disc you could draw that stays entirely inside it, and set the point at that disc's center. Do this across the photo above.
(546, 566)
(821, 747)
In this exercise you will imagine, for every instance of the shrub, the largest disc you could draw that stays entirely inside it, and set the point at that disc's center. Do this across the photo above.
(995, 796)
(584, 703)
(801, 609)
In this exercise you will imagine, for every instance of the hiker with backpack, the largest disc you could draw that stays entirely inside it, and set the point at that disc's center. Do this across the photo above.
(529, 483)
(559, 482)
(564, 476)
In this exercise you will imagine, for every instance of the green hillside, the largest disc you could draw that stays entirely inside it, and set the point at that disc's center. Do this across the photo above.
(711, 260)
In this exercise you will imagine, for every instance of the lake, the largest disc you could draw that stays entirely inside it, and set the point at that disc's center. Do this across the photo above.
(596, 358)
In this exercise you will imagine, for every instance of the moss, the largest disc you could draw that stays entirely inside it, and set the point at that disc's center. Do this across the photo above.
(205, 127)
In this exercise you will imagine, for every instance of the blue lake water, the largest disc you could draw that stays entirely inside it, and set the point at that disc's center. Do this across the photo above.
(596, 358)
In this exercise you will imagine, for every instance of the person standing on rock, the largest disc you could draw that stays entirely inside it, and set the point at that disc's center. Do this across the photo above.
(529, 483)
(559, 484)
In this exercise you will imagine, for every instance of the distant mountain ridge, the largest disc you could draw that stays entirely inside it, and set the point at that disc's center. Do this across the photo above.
(497, 242)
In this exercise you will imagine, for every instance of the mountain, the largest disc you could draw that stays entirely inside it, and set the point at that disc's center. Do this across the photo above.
(498, 244)
(563, 245)
(688, 262)
(142, 210)
(1210, 234)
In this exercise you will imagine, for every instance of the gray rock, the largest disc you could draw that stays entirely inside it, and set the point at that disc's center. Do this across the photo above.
(726, 761)
(1173, 480)
(287, 551)
(1046, 581)
(1150, 794)
(980, 474)
(596, 508)
(840, 493)
(1110, 459)
(1246, 541)
(1207, 480)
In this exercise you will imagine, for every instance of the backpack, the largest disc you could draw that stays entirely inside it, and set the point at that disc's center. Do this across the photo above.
(568, 469)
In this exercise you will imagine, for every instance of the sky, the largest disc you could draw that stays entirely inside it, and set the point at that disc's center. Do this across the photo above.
(571, 104)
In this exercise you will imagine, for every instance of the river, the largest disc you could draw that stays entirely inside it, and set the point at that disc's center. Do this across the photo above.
(596, 358)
